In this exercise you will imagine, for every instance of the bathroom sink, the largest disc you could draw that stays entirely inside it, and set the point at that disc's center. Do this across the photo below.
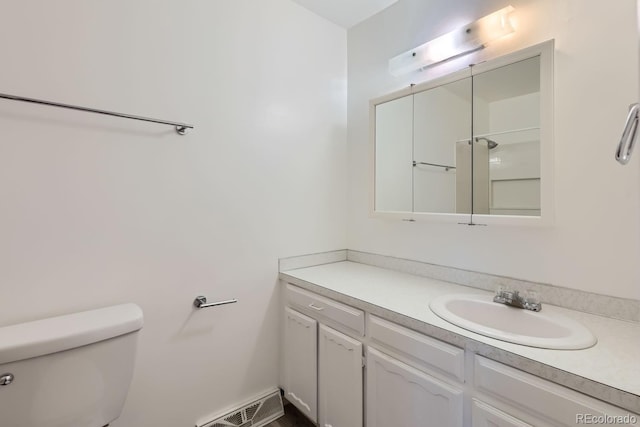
(543, 329)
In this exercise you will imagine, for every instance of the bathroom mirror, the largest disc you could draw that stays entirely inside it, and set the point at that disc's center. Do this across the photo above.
(506, 136)
(471, 147)
(415, 147)
(394, 154)
(441, 124)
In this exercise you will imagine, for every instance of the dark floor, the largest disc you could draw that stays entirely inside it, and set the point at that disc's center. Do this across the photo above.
(292, 418)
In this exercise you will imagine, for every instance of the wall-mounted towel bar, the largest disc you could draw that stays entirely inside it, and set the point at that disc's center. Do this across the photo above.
(201, 302)
(181, 128)
(446, 167)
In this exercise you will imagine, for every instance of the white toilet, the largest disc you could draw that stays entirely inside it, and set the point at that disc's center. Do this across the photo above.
(68, 371)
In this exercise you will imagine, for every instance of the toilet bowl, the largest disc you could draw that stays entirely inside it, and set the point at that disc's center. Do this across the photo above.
(68, 371)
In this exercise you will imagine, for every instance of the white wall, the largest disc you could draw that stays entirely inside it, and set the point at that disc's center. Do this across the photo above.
(98, 211)
(595, 242)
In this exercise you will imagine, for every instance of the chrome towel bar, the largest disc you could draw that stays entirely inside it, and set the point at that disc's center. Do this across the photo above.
(181, 128)
(201, 302)
(446, 167)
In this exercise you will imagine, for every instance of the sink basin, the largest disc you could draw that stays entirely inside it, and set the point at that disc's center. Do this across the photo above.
(543, 329)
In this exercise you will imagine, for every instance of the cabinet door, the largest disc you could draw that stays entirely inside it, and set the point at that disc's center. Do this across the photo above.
(340, 380)
(401, 396)
(487, 416)
(300, 366)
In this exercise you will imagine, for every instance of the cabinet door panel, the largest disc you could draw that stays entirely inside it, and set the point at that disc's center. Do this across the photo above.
(300, 353)
(340, 380)
(488, 416)
(401, 396)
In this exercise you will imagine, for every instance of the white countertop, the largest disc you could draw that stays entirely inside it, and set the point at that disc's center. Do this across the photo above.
(613, 362)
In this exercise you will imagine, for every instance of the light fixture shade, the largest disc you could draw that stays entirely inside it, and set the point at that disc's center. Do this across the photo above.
(461, 41)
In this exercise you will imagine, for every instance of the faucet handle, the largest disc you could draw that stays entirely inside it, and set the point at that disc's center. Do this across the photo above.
(532, 301)
(532, 296)
(529, 300)
(502, 296)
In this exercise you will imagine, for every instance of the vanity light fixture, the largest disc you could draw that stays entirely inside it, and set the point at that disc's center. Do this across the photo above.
(459, 42)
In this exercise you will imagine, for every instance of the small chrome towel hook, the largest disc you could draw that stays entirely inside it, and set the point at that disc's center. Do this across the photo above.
(201, 302)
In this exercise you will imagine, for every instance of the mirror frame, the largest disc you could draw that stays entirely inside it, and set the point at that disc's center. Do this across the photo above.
(545, 51)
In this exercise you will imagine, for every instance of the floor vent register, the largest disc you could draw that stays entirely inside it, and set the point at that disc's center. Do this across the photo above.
(255, 414)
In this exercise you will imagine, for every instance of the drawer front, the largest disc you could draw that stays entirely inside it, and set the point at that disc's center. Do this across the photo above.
(544, 399)
(484, 415)
(433, 353)
(349, 317)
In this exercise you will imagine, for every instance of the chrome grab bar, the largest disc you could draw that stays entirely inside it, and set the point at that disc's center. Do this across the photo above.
(201, 302)
(628, 139)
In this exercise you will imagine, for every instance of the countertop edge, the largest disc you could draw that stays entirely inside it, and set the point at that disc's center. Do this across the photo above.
(597, 390)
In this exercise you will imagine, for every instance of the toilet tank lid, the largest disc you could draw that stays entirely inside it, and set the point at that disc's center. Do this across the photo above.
(47, 336)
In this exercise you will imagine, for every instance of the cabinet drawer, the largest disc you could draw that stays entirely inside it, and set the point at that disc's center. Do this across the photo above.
(546, 400)
(349, 317)
(484, 415)
(433, 353)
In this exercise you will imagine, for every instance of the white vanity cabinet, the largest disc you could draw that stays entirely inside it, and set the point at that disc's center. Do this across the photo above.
(323, 367)
(413, 380)
(339, 379)
(301, 362)
(534, 401)
(401, 396)
(484, 415)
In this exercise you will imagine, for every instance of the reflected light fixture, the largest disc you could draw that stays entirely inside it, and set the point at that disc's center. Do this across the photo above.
(459, 42)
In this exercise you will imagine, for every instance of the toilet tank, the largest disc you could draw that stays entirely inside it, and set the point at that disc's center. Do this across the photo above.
(68, 371)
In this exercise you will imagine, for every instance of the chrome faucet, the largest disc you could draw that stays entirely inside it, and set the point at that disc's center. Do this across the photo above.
(514, 299)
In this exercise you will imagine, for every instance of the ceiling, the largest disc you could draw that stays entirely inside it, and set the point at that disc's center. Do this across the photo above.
(345, 13)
